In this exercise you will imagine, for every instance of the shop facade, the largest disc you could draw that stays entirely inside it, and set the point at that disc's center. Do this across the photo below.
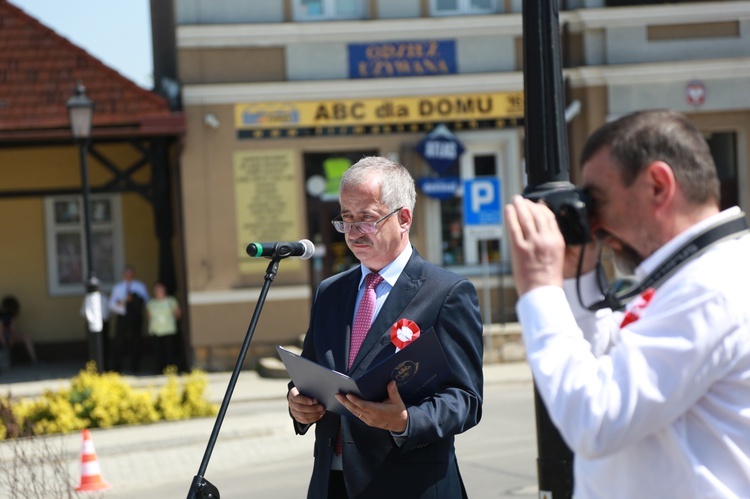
(281, 99)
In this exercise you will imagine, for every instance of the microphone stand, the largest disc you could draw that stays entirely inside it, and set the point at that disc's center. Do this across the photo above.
(200, 487)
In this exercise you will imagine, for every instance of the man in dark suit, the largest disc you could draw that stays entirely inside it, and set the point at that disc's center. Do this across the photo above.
(389, 449)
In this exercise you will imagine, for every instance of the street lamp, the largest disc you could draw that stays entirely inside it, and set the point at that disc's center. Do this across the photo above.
(80, 112)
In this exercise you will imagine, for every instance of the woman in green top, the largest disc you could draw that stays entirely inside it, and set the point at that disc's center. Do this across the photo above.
(163, 312)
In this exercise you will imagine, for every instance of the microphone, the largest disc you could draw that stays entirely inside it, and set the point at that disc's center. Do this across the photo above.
(303, 249)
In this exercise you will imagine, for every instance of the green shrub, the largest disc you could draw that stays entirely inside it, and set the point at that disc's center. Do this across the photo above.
(104, 400)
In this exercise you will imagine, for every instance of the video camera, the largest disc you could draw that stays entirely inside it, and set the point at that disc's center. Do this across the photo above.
(572, 208)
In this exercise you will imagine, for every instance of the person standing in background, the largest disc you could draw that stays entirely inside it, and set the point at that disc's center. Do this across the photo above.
(106, 343)
(126, 304)
(10, 334)
(163, 311)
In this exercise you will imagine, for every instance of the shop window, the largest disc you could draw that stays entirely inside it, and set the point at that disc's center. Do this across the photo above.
(317, 10)
(459, 246)
(66, 246)
(451, 217)
(453, 237)
(723, 147)
(462, 7)
(322, 177)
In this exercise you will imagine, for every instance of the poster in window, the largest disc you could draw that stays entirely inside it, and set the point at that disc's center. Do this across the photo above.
(266, 203)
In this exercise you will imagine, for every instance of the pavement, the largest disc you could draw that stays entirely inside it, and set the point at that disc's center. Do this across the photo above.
(255, 430)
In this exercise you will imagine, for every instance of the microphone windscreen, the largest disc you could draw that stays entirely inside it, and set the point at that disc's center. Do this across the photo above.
(309, 249)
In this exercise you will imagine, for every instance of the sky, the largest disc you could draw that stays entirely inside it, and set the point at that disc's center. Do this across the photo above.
(117, 32)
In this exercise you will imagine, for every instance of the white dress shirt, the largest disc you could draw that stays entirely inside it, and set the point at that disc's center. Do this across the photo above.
(661, 407)
(120, 292)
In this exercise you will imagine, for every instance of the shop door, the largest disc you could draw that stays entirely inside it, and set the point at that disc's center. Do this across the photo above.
(322, 176)
(723, 147)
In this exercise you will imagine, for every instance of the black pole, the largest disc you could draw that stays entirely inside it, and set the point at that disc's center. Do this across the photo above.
(546, 158)
(94, 338)
(547, 168)
(200, 487)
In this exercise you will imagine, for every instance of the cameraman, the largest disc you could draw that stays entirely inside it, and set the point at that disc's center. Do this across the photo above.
(654, 400)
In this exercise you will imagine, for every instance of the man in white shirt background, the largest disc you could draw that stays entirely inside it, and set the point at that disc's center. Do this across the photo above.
(126, 304)
(654, 400)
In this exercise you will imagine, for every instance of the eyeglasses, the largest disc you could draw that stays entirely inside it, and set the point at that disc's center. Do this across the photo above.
(362, 227)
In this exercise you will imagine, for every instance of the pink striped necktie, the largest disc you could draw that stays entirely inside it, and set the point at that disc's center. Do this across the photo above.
(361, 326)
(363, 319)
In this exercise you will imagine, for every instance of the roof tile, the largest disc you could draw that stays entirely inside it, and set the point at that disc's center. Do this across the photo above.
(39, 70)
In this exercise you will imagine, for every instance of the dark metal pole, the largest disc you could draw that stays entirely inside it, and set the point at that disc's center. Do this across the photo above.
(92, 284)
(86, 206)
(546, 132)
(547, 168)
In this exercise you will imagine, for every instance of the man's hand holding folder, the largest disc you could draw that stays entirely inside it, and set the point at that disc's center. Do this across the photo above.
(411, 374)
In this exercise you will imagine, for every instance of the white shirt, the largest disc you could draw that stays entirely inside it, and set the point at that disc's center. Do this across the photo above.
(120, 293)
(661, 407)
(105, 305)
(390, 274)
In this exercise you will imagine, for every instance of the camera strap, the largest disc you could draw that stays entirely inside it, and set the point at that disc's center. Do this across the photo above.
(729, 229)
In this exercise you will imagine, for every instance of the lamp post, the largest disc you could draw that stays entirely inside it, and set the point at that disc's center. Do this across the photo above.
(80, 113)
(547, 166)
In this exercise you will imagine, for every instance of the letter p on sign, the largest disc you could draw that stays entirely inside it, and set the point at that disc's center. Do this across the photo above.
(482, 201)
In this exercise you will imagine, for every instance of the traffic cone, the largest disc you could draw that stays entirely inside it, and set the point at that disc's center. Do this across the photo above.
(91, 475)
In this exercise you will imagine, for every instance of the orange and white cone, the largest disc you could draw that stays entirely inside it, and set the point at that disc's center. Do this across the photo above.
(91, 474)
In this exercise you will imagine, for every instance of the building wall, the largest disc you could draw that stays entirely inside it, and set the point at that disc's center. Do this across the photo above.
(230, 65)
(228, 11)
(619, 60)
(222, 296)
(48, 317)
(629, 45)
(399, 9)
(663, 33)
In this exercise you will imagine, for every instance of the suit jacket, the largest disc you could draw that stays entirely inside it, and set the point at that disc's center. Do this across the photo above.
(424, 466)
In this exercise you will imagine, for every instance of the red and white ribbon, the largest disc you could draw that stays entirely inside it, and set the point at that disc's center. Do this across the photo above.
(635, 309)
(404, 332)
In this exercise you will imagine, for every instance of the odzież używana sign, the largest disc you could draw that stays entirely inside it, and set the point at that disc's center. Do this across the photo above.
(403, 58)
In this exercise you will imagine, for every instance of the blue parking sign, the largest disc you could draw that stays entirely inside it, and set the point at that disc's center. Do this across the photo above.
(482, 201)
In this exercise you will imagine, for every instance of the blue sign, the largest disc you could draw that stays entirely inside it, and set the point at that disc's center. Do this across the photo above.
(441, 149)
(482, 200)
(439, 188)
(409, 58)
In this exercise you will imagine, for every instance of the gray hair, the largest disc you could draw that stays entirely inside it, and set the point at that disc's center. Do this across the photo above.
(395, 182)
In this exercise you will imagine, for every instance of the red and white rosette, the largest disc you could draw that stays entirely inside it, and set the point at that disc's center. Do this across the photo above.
(404, 332)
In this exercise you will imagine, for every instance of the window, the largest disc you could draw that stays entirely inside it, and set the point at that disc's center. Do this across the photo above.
(66, 246)
(458, 249)
(462, 7)
(323, 173)
(489, 155)
(318, 10)
(723, 146)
